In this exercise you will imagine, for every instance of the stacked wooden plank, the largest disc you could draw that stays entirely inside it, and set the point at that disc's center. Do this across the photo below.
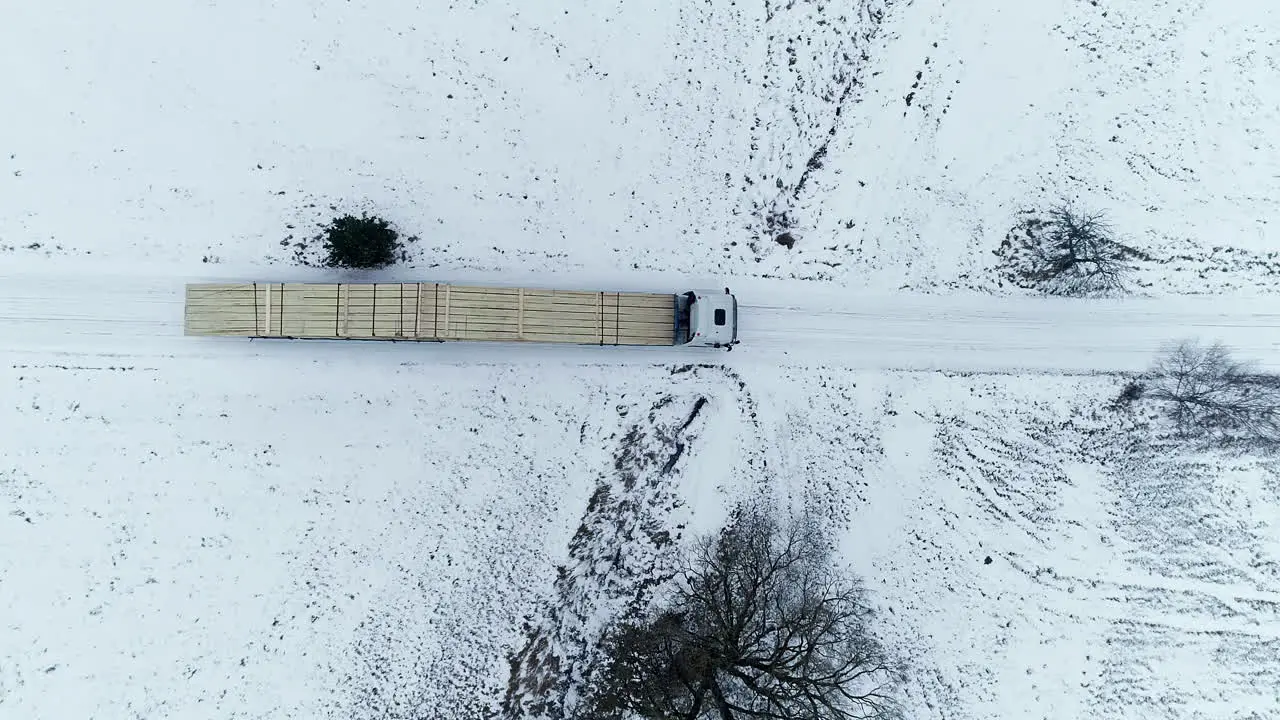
(429, 312)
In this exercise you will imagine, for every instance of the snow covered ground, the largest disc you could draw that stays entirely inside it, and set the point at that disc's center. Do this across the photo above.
(269, 538)
(224, 529)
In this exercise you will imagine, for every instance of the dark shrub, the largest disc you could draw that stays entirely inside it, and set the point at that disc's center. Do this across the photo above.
(360, 242)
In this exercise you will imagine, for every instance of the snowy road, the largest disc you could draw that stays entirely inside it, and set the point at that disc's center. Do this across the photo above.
(140, 315)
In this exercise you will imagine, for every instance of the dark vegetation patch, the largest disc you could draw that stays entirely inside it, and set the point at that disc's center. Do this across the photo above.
(1068, 252)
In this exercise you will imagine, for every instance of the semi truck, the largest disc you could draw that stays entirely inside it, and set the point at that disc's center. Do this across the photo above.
(438, 312)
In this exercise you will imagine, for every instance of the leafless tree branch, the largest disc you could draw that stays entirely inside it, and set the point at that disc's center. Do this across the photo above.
(1069, 253)
(1209, 393)
(761, 626)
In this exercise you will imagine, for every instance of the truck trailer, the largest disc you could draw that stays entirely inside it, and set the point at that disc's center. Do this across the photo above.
(437, 312)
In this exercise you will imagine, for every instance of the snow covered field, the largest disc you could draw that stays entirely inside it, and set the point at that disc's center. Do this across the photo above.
(224, 529)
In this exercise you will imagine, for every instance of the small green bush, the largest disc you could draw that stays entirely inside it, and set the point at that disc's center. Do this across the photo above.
(360, 242)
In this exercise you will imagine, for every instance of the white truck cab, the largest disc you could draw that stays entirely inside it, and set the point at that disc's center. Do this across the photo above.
(712, 318)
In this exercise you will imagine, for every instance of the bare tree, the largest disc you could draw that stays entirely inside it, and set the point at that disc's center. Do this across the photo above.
(760, 625)
(1068, 253)
(1210, 393)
